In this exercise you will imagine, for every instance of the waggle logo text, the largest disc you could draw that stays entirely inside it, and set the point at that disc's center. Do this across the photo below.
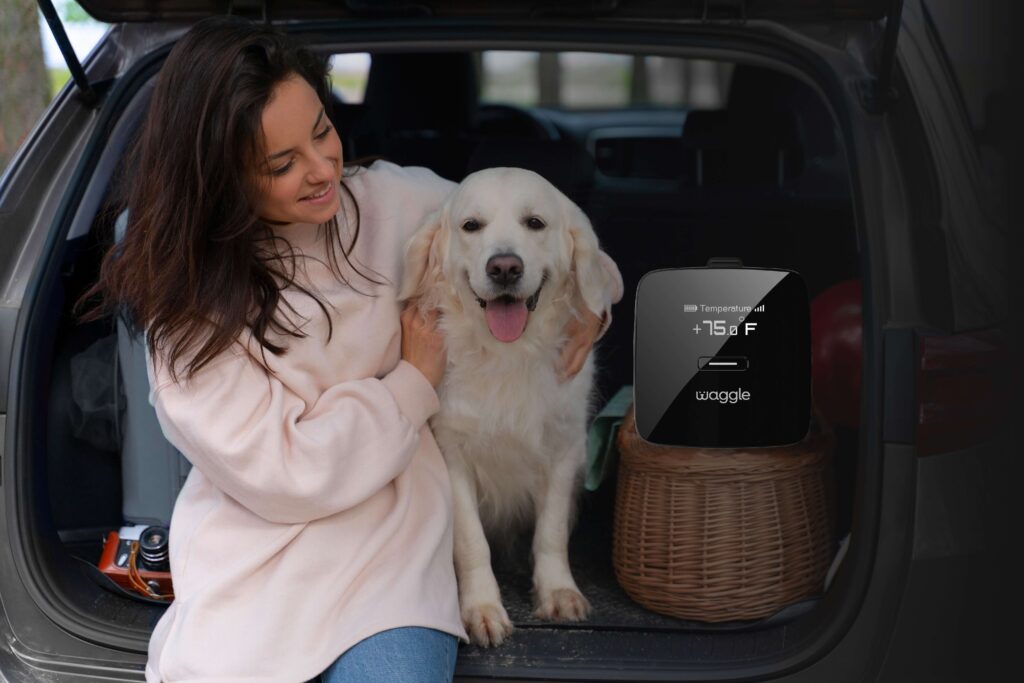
(734, 396)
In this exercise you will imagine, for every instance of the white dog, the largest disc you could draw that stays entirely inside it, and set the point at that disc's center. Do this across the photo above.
(507, 260)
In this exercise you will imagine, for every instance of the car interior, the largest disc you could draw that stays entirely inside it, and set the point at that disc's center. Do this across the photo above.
(756, 170)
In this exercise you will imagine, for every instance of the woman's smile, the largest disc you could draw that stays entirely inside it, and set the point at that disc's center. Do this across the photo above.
(322, 196)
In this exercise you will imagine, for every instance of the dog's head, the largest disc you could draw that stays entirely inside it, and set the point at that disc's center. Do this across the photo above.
(505, 243)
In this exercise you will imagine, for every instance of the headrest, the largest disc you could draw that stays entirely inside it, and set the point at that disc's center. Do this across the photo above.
(414, 92)
(756, 92)
(705, 127)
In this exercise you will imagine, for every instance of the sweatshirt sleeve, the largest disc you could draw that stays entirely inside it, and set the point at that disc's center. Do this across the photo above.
(289, 462)
(418, 187)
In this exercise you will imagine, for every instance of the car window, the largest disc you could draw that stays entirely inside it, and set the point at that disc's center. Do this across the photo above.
(591, 80)
(572, 80)
(348, 76)
(510, 77)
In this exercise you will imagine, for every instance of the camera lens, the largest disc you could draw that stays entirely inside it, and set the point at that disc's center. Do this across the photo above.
(153, 548)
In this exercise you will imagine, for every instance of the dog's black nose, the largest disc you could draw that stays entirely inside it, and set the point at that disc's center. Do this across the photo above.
(505, 269)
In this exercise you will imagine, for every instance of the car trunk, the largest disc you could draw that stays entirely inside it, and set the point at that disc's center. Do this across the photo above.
(803, 217)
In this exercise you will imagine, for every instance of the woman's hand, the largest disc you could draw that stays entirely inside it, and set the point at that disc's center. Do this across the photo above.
(423, 343)
(581, 335)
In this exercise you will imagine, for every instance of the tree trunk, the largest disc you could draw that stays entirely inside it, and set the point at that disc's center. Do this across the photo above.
(25, 84)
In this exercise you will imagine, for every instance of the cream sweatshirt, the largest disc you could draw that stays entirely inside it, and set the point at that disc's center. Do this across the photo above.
(318, 509)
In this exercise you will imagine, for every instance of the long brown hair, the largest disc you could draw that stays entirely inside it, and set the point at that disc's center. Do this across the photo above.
(194, 269)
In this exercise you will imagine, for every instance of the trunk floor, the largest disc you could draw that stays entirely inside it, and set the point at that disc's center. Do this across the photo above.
(590, 558)
(617, 630)
(620, 635)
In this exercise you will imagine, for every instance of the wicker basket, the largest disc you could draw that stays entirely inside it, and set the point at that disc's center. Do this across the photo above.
(715, 535)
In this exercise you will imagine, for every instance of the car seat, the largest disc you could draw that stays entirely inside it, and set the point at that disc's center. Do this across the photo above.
(420, 110)
(741, 147)
(152, 470)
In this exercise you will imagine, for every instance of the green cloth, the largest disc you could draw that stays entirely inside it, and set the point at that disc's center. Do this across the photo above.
(601, 452)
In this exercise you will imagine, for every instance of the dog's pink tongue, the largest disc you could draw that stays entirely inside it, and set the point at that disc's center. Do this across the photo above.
(506, 319)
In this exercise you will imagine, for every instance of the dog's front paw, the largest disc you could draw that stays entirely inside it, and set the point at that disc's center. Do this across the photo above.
(487, 624)
(563, 604)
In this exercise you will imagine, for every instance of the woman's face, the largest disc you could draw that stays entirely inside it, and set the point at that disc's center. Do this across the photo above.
(301, 172)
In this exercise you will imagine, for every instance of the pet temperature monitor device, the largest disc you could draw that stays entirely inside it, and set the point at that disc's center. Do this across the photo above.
(722, 356)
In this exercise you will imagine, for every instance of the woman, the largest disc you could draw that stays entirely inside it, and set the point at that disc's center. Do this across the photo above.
(314, 531)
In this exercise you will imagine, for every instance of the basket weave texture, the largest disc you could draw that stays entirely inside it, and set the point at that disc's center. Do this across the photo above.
(722, 535)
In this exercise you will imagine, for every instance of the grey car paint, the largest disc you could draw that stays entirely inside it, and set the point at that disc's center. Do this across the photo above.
(36, 182)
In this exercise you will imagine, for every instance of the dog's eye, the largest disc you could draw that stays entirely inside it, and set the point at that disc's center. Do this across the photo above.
(472, 225)
(534, 223)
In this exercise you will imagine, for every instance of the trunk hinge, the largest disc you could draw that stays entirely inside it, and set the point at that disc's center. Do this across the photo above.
(733, 11)
(86, 91)
(877, 92)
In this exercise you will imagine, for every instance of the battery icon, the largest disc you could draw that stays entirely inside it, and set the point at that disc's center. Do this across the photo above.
(689, 308)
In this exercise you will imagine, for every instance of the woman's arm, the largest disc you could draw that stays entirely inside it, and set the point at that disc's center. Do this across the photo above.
(290, 462)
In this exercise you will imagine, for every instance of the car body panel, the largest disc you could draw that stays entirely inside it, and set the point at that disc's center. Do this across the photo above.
(893, 543)
(779, 10)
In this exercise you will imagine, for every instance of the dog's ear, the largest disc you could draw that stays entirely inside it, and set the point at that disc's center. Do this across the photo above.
(423, 274)
(592, 279)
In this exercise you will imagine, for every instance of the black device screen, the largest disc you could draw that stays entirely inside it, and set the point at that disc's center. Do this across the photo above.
(722, 357)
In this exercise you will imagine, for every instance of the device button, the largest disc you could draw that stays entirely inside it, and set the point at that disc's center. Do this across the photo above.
(722, 363)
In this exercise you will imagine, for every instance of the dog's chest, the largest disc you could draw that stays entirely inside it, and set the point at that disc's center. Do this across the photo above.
(509, 406)
(505, 405)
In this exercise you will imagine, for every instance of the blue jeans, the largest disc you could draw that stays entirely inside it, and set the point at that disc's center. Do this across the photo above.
(402, 655)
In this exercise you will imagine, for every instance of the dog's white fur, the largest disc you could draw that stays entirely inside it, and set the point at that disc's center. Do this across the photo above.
(513, 436)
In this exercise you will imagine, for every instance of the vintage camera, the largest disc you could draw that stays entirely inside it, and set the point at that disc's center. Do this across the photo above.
(136, 558)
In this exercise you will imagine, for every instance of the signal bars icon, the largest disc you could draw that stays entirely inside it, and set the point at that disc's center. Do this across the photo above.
(759, 309)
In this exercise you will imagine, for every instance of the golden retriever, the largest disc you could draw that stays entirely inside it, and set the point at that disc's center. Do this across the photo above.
(507, 260)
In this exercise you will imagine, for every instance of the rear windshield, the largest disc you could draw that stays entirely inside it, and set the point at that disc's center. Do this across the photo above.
(572, 80)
